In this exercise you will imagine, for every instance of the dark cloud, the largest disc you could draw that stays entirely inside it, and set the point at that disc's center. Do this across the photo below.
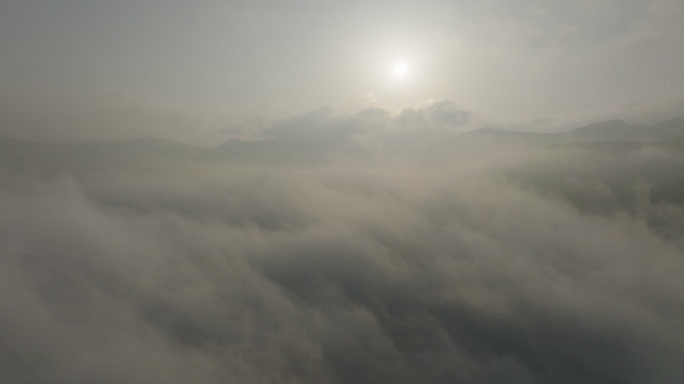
(557, 263)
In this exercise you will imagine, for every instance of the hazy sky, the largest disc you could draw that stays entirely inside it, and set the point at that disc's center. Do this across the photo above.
(196, 70)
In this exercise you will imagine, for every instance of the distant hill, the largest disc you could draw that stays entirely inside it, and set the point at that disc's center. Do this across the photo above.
(265, 152)
(615, 135)
(614, 130)
(619, 130)
(82, 156)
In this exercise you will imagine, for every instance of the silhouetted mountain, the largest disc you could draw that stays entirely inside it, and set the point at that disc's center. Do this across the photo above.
(610, 136)
(604, 131)
(279, 151)
(668, 129)
(614, 130)
(619, 130)
(87, 155)
(482, 138)
(269, 151)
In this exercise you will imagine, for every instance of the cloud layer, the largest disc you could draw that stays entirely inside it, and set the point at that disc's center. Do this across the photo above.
(557, 264)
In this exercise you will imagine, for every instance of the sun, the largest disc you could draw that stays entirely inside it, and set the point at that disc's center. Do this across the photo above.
(400, 70)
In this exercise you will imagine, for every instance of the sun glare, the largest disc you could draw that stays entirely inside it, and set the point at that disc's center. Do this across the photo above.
(400, 70)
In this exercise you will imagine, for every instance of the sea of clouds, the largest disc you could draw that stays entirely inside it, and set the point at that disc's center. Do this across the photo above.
(404, 261)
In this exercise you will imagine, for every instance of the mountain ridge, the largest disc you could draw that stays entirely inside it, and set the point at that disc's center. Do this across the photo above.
(85, 155)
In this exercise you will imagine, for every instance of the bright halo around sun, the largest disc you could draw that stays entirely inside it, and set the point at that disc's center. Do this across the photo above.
(400, 70)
